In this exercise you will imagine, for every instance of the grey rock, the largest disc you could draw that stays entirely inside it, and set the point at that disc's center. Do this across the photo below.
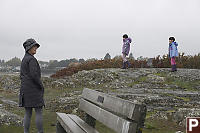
(144, 85)
(179, 132)
(9, 102)
(10, 118)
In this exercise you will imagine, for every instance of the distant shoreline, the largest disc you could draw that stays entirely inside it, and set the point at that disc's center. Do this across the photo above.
(17, 74)
(9, 73)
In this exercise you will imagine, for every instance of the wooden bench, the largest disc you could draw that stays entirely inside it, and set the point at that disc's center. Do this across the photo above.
(122, 116)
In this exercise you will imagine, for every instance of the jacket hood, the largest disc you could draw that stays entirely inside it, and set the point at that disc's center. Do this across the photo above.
(127, 39)
(176, 44)
(130, 40)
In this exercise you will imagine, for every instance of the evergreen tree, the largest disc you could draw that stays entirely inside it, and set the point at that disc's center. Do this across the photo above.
(14, 62)
(107, 57)
(131, 56)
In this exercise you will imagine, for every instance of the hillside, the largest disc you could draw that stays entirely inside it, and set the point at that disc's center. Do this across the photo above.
(169, 97)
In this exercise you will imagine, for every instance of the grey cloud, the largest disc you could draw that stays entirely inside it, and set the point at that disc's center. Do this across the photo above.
(91, 28)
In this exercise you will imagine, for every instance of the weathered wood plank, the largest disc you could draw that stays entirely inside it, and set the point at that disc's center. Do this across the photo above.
(68, 124)
(114, 104)
(112, 121)
(82, 124)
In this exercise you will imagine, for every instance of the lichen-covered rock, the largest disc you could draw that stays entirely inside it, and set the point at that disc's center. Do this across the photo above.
(8, 118)
(155, 78)
(180, 115)
(170, 96)
(10, 82)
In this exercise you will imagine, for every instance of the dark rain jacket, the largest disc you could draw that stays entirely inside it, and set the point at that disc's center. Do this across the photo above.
(32, 90)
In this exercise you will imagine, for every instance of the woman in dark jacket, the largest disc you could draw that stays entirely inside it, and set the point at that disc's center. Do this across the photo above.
(32, 90)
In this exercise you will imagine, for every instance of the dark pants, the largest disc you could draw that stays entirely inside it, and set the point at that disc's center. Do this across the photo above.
(38, 120)
(125, 62)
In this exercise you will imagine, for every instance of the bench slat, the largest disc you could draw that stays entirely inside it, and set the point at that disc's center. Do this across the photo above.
(68, 124)
(82, 124)
(112, 121)
(114, 104)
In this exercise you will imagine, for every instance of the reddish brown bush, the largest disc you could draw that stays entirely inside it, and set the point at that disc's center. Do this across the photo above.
(157, 62)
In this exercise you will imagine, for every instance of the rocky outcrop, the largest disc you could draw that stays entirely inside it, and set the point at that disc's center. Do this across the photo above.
(10, 83)
(171, 96)
(9, 118)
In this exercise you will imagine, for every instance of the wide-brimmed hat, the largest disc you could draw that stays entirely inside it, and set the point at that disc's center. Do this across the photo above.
(29, 43)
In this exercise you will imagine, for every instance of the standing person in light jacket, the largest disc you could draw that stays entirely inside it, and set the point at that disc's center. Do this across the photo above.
(32, 90)
(173, 52)
(125, 50)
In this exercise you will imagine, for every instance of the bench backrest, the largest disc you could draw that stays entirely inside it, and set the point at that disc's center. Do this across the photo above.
(121, 115)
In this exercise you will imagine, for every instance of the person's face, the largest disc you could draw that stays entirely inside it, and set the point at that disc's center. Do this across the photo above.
(170, 41)
(33, 50)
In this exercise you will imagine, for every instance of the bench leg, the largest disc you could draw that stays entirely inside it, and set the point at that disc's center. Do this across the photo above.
(59, 128)
(142, 119)
(90, 120)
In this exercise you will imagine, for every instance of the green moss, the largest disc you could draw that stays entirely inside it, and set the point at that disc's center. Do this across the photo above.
(167, 95)
(140, 80)
(132, 83)
(10, 129)
(150, 113)
(9, 95)
(185, 99)
(50, 94)
(149, 126)
(182, 84)
(161, 126)
(162, 74)
(115, 75)
(187, 85)
(169, 88)
(143, 79)
(171, 111)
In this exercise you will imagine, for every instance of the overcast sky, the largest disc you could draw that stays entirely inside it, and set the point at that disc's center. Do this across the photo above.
(91, 28)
